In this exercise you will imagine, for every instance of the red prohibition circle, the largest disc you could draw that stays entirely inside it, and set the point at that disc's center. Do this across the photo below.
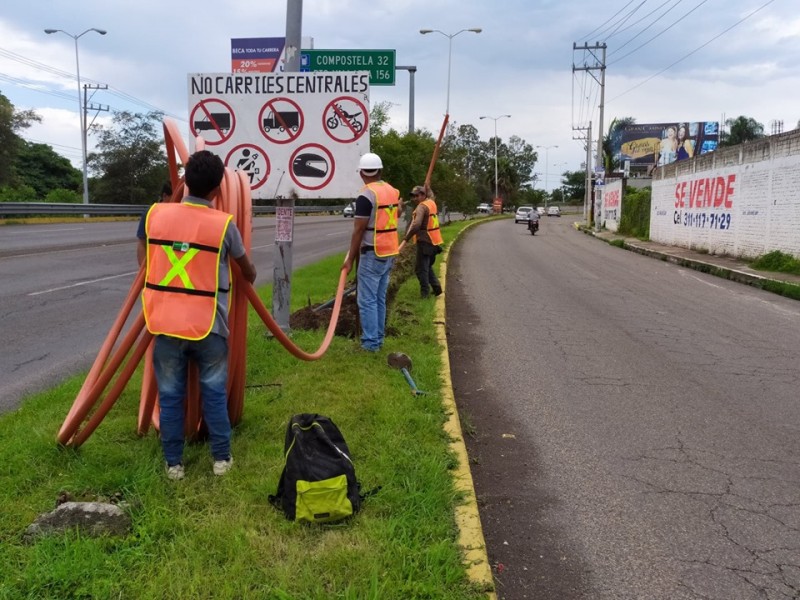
(339, 119)
(298, 153)
(266, 160)
(211, 121)
(281, 120)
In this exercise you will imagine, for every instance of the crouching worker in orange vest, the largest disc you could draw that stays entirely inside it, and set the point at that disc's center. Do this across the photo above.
(185, 299)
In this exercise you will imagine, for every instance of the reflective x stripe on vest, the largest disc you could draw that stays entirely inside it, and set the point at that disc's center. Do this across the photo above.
(387, 200)
(184, 244)
(432, 225)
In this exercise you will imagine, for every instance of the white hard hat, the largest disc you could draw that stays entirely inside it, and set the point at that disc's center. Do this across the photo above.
(370, 162)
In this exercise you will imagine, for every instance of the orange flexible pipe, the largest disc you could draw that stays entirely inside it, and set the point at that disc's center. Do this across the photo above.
(436, 149)
(234, 199)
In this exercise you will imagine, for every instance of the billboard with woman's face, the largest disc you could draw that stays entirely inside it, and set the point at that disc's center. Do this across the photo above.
(663, 143)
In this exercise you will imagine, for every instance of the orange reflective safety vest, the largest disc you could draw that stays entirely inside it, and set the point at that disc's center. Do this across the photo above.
(432, 226)
(184, 244)
(387, 200)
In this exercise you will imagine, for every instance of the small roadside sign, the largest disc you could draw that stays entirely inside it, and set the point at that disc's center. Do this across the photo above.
(379, 63)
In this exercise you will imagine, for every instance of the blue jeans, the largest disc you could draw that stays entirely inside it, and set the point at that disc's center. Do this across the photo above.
(373, 280)
(171, 362)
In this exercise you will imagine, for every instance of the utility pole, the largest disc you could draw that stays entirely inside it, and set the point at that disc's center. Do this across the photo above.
(87, 107)
(599, 65)
(284, 207)
(587, 196)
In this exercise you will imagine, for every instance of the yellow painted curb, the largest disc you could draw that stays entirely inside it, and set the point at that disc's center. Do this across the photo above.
(468, 521)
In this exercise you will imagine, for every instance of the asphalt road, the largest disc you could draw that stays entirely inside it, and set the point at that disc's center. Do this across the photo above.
(633, 426)
(63, 285)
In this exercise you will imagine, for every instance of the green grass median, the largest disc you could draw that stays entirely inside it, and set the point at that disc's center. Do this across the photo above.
(212, 537)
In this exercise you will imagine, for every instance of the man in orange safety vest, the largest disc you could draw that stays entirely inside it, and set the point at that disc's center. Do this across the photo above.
(375, 242)
(424, 230)
(185, 301)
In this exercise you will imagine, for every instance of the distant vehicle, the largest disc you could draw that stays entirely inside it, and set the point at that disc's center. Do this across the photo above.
(521, 216)
(349, 210)
(484, 209)
(541, 210)
(553, 211)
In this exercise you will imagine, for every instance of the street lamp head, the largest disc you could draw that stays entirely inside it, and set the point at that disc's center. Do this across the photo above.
(100, 31)
(424, 31)
(51, 30)
(483, 117)
(475, 30)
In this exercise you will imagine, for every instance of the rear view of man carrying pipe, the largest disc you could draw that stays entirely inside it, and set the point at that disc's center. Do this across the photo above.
(375, 242)
(187, 246)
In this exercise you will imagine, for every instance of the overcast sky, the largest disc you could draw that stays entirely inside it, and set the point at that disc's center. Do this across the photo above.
(521, 64)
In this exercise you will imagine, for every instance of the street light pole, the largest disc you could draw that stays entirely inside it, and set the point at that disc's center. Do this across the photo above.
(80, 104)
(546, 170)
(496, 192)
(449, 37)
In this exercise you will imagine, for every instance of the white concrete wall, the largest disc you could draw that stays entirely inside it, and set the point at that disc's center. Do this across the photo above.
(739, 201)
(612, 204)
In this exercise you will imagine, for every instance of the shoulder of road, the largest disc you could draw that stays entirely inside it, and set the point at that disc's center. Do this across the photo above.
(727, 267)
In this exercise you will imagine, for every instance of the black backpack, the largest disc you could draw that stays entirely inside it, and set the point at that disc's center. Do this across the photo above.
(318, 483)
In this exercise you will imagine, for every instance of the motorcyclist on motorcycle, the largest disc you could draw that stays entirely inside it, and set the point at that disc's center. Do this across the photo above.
(533, 221)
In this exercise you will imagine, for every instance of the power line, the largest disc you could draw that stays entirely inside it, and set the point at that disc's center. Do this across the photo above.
(586, 37)
(716, 37)
(659, 34)
(666, 12)
(622, 22)
(54, 71)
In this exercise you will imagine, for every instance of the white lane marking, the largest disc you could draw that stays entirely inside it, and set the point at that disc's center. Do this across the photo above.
(28, 231)
(66, 287)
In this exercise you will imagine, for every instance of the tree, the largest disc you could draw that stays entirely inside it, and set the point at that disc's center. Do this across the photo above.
(574, 185)
(741, 129)
(41, 168)
(11, 121)
(130, 161)
(613, 141)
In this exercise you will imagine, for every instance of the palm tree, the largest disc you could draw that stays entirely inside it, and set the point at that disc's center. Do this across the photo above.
(741, 129)
(612, 142)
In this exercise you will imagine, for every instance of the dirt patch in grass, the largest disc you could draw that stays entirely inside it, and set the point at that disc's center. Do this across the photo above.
(312, 317)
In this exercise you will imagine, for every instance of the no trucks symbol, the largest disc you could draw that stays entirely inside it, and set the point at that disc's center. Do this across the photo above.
(345, 119)
(281, 120)
(215, 117)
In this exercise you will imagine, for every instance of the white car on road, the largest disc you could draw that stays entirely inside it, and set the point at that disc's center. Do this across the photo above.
(521, 216)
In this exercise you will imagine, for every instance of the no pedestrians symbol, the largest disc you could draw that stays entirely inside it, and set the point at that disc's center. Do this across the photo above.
(345, 119)
(251, 160)
(213, 116)
(281, 120)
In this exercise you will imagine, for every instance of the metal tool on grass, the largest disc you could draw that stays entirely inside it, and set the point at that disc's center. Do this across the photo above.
(398, 360)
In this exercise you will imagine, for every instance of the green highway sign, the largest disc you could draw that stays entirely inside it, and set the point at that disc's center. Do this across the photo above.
(379, 63)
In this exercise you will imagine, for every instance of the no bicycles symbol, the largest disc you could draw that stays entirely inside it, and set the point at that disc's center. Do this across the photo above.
(345, 119)
(281, 120)
(213, 115)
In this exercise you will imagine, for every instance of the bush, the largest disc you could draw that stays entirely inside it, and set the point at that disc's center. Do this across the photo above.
(777, 261)
(22, 193)
(635, 218)
(62, 195)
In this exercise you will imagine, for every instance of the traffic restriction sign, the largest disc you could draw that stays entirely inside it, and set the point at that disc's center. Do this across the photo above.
(345, 119)
(251, 160)
(281, 120)
(213, 115)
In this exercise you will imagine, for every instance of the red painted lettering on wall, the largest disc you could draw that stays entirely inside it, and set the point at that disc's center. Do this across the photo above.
(706, 192)
(611, 199)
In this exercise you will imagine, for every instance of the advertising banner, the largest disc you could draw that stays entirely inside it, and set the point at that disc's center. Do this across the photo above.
(612, 204)
(291, 133)
(658, 144)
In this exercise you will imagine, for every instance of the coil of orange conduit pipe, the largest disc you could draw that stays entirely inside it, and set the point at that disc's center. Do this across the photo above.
(86, 414)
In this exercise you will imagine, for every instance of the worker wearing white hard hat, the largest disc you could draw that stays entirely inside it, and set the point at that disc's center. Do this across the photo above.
(375, 242)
